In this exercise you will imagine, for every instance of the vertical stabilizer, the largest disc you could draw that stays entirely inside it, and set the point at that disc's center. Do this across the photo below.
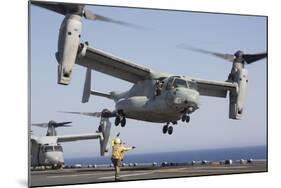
(87, 86)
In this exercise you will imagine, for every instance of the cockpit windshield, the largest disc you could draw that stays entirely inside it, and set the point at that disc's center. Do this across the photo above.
(58, 148)
(49, 148)
(52, 148)
(179, 83)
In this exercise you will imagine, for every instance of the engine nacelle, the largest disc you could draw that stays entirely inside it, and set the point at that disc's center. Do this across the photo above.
(68, 43)
(104, 127)
(237, 99)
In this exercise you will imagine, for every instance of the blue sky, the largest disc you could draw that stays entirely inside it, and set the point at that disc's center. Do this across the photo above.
(155, 48)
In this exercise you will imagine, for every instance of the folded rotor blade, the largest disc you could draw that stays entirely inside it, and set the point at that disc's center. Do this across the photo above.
(250, 58)
(63, 124)
(42, 125)
(228, 57)
(60, 125)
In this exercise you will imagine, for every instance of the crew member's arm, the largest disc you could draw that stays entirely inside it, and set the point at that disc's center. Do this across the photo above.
(112, 142)
(128, 148)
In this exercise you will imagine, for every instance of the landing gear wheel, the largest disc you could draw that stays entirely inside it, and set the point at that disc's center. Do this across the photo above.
(170, 130)
(59, 166)
(183, 118)
(123, 122)
(117, 121)
(54, 167)
(165, 129)
(187, 119)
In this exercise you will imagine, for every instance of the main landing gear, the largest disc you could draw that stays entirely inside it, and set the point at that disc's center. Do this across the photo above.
(185, 118)
(120, 120)
(168, 129)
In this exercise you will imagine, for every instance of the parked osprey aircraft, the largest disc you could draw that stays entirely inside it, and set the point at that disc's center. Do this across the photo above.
(155, 96)
(47, 151)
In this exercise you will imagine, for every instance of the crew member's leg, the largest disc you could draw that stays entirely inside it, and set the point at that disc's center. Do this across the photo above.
(116, 168)
(118, 163)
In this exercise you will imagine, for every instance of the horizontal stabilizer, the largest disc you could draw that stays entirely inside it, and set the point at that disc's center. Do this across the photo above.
(101, 94)
(71, 138)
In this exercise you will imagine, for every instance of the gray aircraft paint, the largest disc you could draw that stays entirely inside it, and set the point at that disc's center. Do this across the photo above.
(47, 151)
(135, 105)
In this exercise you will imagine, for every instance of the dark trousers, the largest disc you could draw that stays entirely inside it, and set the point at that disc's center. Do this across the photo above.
(117, 164)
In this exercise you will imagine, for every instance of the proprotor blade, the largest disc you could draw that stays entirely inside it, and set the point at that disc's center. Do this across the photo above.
(228, 57)
(93, 114)
(61, 8)
(92, 16)
(250, 58)
(66, 8)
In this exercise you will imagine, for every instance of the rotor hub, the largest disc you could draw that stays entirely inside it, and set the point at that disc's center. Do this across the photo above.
(239, 56)
(52, 122)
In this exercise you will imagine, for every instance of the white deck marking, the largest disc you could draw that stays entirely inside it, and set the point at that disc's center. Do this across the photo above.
(77, 175)
(127, 175)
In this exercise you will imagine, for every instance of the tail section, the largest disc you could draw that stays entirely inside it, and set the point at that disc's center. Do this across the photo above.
(103, 129)
(87, 90)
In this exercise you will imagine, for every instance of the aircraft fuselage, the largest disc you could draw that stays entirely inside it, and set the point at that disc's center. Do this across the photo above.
(176, 99)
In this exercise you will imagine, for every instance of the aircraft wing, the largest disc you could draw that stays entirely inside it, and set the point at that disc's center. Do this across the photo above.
(108, 64)
(215, 88)
(70, 138)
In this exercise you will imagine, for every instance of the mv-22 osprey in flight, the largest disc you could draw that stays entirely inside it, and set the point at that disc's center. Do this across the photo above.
(155, 96)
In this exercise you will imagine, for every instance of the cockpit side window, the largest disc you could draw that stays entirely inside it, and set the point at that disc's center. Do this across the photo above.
(169, 84)
(58, 148)
(48, 148)
(192, 85)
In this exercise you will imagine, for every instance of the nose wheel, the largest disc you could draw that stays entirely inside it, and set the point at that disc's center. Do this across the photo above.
(185, 118)
(120, 120)
(167, 129)
(123, 122)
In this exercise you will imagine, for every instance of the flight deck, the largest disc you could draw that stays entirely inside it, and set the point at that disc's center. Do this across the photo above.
(98, 174)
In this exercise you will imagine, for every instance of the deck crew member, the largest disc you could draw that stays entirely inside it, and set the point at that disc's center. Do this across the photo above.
(158, 88)
(118, 151)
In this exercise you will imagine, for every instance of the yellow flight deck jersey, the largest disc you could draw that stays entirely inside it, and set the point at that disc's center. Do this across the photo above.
(118, 151)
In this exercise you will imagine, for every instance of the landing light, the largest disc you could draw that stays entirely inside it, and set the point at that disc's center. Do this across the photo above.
(177, 100)
(190, 109)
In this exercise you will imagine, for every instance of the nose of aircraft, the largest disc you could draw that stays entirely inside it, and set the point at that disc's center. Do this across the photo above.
(55, 157)
(186, 98)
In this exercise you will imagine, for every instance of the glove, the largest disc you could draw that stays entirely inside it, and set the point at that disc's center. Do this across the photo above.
(133, 147)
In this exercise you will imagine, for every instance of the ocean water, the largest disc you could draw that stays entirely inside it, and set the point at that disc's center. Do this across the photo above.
(254, 152)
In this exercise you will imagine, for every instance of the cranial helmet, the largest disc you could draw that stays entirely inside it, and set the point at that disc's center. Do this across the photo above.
(117, 141)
